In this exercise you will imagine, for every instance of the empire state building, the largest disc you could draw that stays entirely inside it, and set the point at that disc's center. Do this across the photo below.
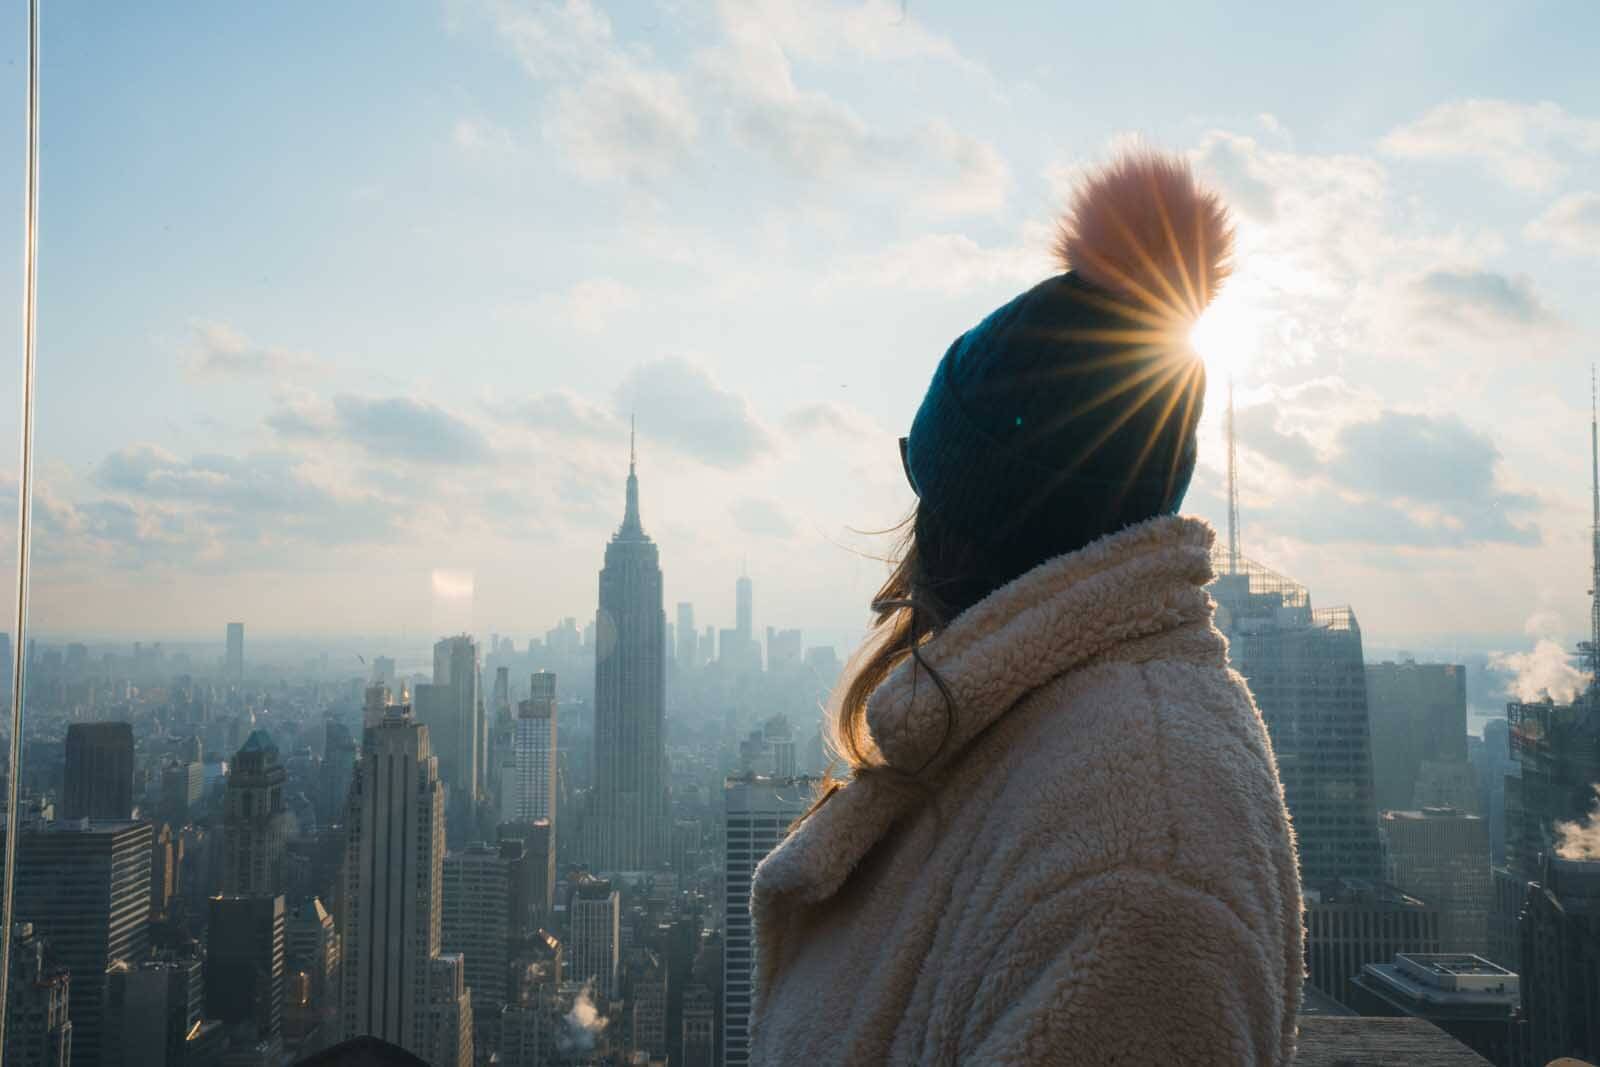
(625, 828)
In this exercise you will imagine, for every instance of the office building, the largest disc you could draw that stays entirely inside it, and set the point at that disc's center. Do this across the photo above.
(233, 659)
(99, 771)
(538, 881)
(85, 887)
(476, 921)
(687, 651)
(245, 963)
(1561, 961)
(255, 827)
(339, 755)
(1419, 717)
(447, 1013)
(757, 812)
(649, 1018)
(625, 826)
(311, 948)
(1466, 996)
(529, 792)
(38, 1029)
(699, 1027)
(1557, 748)
(1305, 669)
(1442, 856)
(1351, 923)
(451, 710)
(153, 1005)
(393, 885)
(183, 784)
(383, 671)
(594, 949)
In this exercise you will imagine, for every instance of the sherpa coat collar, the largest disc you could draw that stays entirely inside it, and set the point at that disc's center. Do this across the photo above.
(1145, 581)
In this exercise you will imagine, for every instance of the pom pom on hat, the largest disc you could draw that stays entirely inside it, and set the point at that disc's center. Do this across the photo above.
(1144, 229)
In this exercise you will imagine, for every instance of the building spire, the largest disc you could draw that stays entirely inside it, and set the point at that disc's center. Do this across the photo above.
(1594, 537)
(1233, 493)
(632, 527)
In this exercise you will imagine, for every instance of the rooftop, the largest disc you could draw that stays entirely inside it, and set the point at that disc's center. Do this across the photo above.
(1355, 1041)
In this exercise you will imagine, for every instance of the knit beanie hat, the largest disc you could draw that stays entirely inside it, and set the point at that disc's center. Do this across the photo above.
(1070, 413)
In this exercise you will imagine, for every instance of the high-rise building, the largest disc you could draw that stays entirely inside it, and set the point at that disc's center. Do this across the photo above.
(757, 813)
(539, 851)
(1306, 672)
(744, 609)
(1561, 961)
(1419, 716)
(233, 663)
(85, 887)
(447, 1012)
(625, 827)
(311, 948)
(687, 652)
(453, 714)
(255, 827)
(99, 772)
(594, 951)
(245, 964)
(183, 784)
(1351, 923)
(699, 1027)
(1557, 747)
(393, 885)
(1442, 856)
(339, 755)
(38, 1029)
(785, 649)
(152, 1008)
(383, 671)
(529, 793)
(476, 921)
(649, 1004)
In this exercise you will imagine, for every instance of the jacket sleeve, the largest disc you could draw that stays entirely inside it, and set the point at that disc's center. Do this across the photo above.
(1133, 968)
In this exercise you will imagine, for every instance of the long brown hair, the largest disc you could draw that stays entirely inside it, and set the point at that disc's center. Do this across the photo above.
(935, 578)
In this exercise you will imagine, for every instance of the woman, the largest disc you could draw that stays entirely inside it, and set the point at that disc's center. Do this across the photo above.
(1063, 839)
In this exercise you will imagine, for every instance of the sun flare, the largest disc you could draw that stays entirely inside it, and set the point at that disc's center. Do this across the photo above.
(1225, 336)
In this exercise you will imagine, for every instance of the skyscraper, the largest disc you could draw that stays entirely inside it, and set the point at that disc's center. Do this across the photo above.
(626, 824)
(152, 1008)
(476, 921)
(530, 791)
(595, 955)
(245, 976)
(757, 811)
(311, 947)
(393, 889)
(451, 711)
(1305, 669)
(744, 608)
(233, 662)
(687, 652)
(85, 887)
(339, 755)
(1419, 718)
(1442, 856)
(38, 1030)
(99, 772)
(1561, 960)
(255, 828)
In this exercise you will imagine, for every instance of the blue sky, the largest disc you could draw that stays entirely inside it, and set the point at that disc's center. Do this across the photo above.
(337, 309)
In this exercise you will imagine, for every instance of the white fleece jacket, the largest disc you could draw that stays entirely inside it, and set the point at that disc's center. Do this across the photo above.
(1101, 870)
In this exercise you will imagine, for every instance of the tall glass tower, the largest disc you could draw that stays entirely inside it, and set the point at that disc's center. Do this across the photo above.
(625, 828)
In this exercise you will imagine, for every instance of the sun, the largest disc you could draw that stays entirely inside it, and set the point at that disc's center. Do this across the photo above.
(1226, 335)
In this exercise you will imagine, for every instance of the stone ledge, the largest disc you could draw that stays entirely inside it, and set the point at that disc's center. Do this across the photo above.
(1355, 1041)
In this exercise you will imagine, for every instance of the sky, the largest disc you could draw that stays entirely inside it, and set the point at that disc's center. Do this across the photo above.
(342, 319)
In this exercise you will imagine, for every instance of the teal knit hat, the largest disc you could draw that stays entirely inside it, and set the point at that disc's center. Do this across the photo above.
(1070, 413)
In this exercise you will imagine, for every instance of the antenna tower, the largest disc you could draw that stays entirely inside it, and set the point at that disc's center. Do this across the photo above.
(1233, 503)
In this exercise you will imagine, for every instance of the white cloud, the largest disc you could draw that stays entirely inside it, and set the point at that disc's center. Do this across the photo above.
(942, 263)
(614, 114)
(220, 351)
(481, 137)
(1523, 145)
(1571, 223)
(680, 403)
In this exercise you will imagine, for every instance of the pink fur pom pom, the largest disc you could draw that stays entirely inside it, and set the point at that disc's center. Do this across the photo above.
(1142, 227)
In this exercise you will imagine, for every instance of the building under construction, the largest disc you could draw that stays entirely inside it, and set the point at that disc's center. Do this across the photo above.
(1557, 745)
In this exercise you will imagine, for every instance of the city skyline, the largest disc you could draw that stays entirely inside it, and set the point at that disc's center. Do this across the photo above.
(1412, 281)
